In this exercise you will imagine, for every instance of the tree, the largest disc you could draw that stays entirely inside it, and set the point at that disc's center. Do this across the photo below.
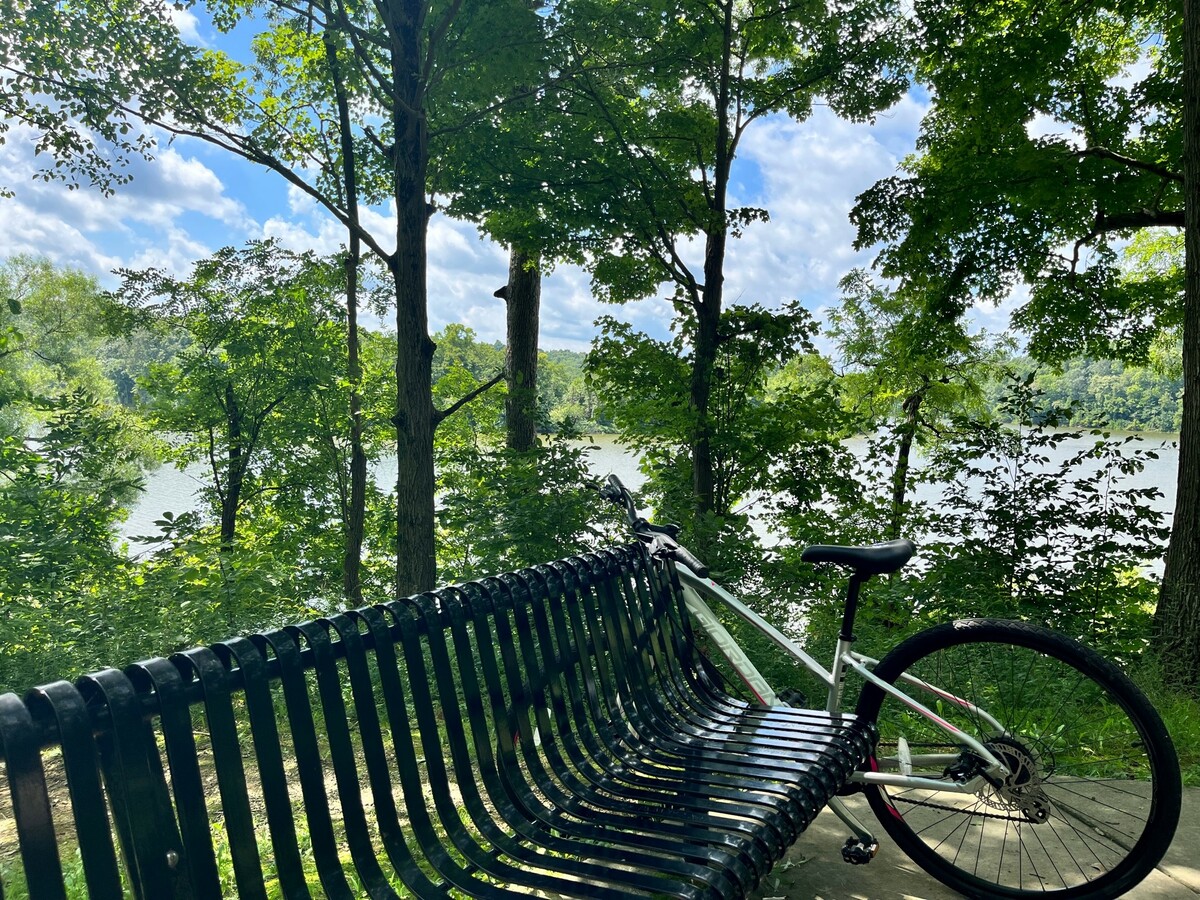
(260, 323)
(62, 494)
(669, 91)
(355, 499)
(71, 464)
(759, 423)
(904, 359)
(1024, 529)
(1057, 132)
(463, 366)
(624, 155)
(523, 298)
(52, 332)
(505, 172)
(1178, 613)
(94, 77)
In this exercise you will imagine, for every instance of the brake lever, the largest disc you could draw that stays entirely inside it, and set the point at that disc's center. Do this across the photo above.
(663, 545)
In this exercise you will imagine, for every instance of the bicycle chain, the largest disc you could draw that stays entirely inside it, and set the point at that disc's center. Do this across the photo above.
(960, 810)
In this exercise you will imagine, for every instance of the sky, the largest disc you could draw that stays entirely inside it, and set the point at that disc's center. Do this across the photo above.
(193, 199)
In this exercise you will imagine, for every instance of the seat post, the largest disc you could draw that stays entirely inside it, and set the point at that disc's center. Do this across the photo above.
(851, 610)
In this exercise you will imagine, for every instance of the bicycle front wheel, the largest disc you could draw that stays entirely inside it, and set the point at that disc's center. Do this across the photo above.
(1091, 798)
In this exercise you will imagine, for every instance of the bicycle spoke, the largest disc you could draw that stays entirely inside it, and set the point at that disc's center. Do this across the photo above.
(962, 840)
(1055, 717)
(1083, 817)
(1109, 783)
(1050, 858)
(1054, 827)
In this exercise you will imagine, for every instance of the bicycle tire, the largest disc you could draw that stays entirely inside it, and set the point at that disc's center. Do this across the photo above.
(1086, 751)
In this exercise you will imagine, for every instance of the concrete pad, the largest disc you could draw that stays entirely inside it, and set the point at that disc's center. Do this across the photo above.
(813, 869)
(1182, 862)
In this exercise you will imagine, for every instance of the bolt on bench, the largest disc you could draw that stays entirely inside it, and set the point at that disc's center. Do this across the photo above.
(546, 730)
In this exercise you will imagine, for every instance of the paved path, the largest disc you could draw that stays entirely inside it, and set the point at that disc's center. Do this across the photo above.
(813, 869)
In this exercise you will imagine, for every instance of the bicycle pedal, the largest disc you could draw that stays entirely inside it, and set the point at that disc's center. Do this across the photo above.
(858, 853)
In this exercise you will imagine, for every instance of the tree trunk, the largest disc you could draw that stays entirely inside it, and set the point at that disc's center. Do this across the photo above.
(704, 357)
(416, 566)
(235, 459)
(1178, 616)
(354, 512)
(908, 432)
(708, 314)
(524, 298)
(416, 569)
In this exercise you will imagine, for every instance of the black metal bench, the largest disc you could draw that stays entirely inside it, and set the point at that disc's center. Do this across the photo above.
(548, 729)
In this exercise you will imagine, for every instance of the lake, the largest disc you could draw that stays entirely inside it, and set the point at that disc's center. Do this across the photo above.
(169, 489)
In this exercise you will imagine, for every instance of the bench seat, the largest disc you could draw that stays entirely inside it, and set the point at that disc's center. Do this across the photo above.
(549, 730)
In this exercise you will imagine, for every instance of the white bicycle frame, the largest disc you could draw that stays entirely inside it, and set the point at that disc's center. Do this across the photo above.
(697, 592)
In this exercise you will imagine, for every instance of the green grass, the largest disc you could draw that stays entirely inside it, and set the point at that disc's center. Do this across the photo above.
(1180, 712)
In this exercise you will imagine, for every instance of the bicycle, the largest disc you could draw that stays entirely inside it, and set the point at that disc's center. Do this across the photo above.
(1026, 763)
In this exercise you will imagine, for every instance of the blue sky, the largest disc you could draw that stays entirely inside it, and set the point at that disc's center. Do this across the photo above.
(193, 199)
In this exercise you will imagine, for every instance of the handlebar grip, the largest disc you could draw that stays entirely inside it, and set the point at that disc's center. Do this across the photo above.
(683, 556)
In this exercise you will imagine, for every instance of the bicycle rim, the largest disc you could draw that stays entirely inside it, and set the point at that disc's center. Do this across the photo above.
(1092, 796)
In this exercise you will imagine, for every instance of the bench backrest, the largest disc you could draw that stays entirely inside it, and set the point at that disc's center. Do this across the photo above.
(275, 760)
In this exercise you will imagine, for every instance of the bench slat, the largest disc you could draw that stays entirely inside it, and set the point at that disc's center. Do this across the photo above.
(30, 799)
(61, 703)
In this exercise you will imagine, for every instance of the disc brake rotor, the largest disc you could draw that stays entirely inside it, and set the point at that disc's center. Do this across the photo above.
(1021, 790)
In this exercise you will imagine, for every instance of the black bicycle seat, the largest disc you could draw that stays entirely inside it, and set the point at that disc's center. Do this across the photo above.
(877, 559)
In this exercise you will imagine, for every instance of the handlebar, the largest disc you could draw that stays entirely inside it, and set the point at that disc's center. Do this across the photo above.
(661, 538)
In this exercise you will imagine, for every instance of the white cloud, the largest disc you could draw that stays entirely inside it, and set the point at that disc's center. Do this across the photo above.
(176, 253)
(1042, 125)
(299, 202)
(322, 234)
(29, 230)
(569, 309)
(811, 173)
(187, 24)
(175, 184)
(464, 269)
(145, 219)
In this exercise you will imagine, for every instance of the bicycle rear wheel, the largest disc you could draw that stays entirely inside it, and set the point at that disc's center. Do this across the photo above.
(1093, 792)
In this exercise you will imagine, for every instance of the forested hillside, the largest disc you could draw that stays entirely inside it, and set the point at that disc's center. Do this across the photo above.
(1093, 393)
(1111, 394)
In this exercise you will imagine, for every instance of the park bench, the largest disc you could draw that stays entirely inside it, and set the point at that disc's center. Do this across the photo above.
(547, 731)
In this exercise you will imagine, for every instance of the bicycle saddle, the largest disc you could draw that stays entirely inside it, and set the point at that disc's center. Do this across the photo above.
(877, 559)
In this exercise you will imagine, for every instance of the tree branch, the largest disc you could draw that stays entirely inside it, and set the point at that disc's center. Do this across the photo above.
(441, 414)
(248, 150)
(1145, 166)
(378, 81)
(214, 465)
(1139, 218)
(676, 268)
(435, 38)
